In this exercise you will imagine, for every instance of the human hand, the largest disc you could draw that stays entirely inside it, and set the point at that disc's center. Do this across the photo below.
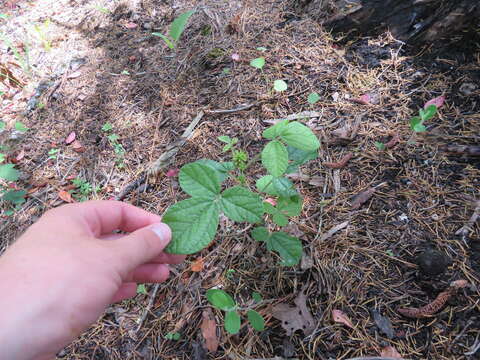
(61, 274)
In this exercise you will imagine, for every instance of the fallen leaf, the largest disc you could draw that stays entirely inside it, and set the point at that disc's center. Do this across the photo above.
(333, 230)
(20, 156)
(209, 330)
(433, 307)
(340, 317)
(363, 197)
(65, 196)
(390, 352)
(339, 164)
(131, 25)
(298, 176)
(70, 138)
(438, 102)
(197, 265)
(392, 142)
(74, 75)
(383, 323)
(297, 317)
(172, 172)
(77, 146)
(364, 99)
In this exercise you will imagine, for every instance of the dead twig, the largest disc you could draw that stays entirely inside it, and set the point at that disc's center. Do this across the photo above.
(236, 109)
(301, 115)
(465, 229)
(148, 308)
(333, 231)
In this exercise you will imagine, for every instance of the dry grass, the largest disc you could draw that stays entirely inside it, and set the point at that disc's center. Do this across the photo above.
(427, 196)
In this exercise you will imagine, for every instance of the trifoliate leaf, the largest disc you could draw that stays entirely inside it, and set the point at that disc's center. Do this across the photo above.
(220, 299)
(199, 180)
(299, 136)
(221, 168)
(275, 158)
(256, 320)
(240, 204)
(193, 223)
(232, 322)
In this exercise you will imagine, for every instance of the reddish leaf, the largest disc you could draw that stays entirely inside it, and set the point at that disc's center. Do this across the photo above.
(363, 197)
(390, 352)
(365, 99)
(438, 102)
(172, 172)
(271, 201)
(339, 164)
(70, 138)
(209, 330)
(131, 25)
(65, 196)
(340, 317)
(235, 57)
(77, 146)
(197, 265)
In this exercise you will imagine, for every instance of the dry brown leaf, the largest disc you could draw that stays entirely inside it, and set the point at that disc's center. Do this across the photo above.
(339, 164)
(340, 317)
(78, 147)
(392, 142)
(65, 196)
(197, 265)
(333, 230)
(391, 352)
(209, 330)
(70, 138)
(297, 317)
(364, 196)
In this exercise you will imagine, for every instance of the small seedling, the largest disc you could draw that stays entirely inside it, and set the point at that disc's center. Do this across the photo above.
(258, 63)
(83, 189)
(313, 98)
(227, 140)
(416, 122)
(226, 71)
(257, 297)
(141, 289)
(176, 29)
(280, 85)
(380, 145)
(223, 301)
(41, 31)
(52, 153)
(125, 72)
(19, 126)
(229, 274)
(175, 336)
(390, 253)
(107, 127)
(117, 147)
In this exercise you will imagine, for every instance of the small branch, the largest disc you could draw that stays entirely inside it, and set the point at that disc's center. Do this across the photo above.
(148, 308)
(465, 229)
(301, 115)
(234, 110)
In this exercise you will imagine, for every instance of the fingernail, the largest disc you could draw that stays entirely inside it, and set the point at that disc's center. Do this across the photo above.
(162, 231)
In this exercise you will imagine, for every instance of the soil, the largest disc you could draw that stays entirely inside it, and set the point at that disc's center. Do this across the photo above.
(97, 62)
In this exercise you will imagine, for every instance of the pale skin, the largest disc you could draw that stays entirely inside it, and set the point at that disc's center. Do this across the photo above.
(61, 274)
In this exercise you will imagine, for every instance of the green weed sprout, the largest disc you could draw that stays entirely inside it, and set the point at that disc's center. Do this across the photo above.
(223, 301)
(280, 85)
(258, 63)
(176, 29)
(194, 221)
(313, 98)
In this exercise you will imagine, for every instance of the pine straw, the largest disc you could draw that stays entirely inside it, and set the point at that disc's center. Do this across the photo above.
(427, 197)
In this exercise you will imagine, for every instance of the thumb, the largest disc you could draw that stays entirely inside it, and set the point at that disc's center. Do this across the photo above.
(142, 245)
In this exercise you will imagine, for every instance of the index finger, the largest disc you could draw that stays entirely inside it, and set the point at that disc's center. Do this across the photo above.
(101, 217)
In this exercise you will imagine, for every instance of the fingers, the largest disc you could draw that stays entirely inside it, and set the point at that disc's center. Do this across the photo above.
(140, 247)
(126, 291)
(103, 217)
(149, 273)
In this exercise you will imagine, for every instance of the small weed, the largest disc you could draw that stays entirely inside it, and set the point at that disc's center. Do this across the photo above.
(141, 289)
(416, 122)
(258, 63)
(226, 71)
(107, 127)
(52, 153)
(41, 30)
(176, 29)
(117, 147)
(175, 336)
(380, 145)
(20, 127)
(102, 9)
(229, 274)
(262, 48)
(280, 85)
(83, 189)
(313, 98)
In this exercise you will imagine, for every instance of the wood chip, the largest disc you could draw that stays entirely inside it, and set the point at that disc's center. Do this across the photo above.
(209, 330)
(333, 231)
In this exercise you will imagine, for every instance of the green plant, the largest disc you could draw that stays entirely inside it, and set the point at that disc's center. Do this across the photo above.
(141, 289)
(41, 31)
(176, 29)
(230, 142)
(102, 9)
(416, 122)
(83, 189)
(19, 126)
(380, 145)
(194, 221)
(313, 98)
(173, 336)
(117, 147)
(223, 301)
(107, 127)
(52, 153)
(258, 63)
(280, 85)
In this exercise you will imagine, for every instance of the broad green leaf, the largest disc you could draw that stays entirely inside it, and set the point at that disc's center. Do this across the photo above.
(275, 130)
(19, 126)
(240, 204)
(232, 322)
(256, 320)
(221, 169)
(256, 296)
(15, 196)
(291, 206)
(199, 180)
(8, 172)
(299, 157)
(299, 136)
(288, 247)
(258, 63)
(276, 186)
(260, 233)
(280, 85)
(313, 98)
(220, 299)
(414, 121)
(280, 219)
(269, 208)
(167, 41)
(419, 128)
(178, 25)
(275, 158)
(428, 113)
(193, 223)
(2, 125)
(225, 139)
